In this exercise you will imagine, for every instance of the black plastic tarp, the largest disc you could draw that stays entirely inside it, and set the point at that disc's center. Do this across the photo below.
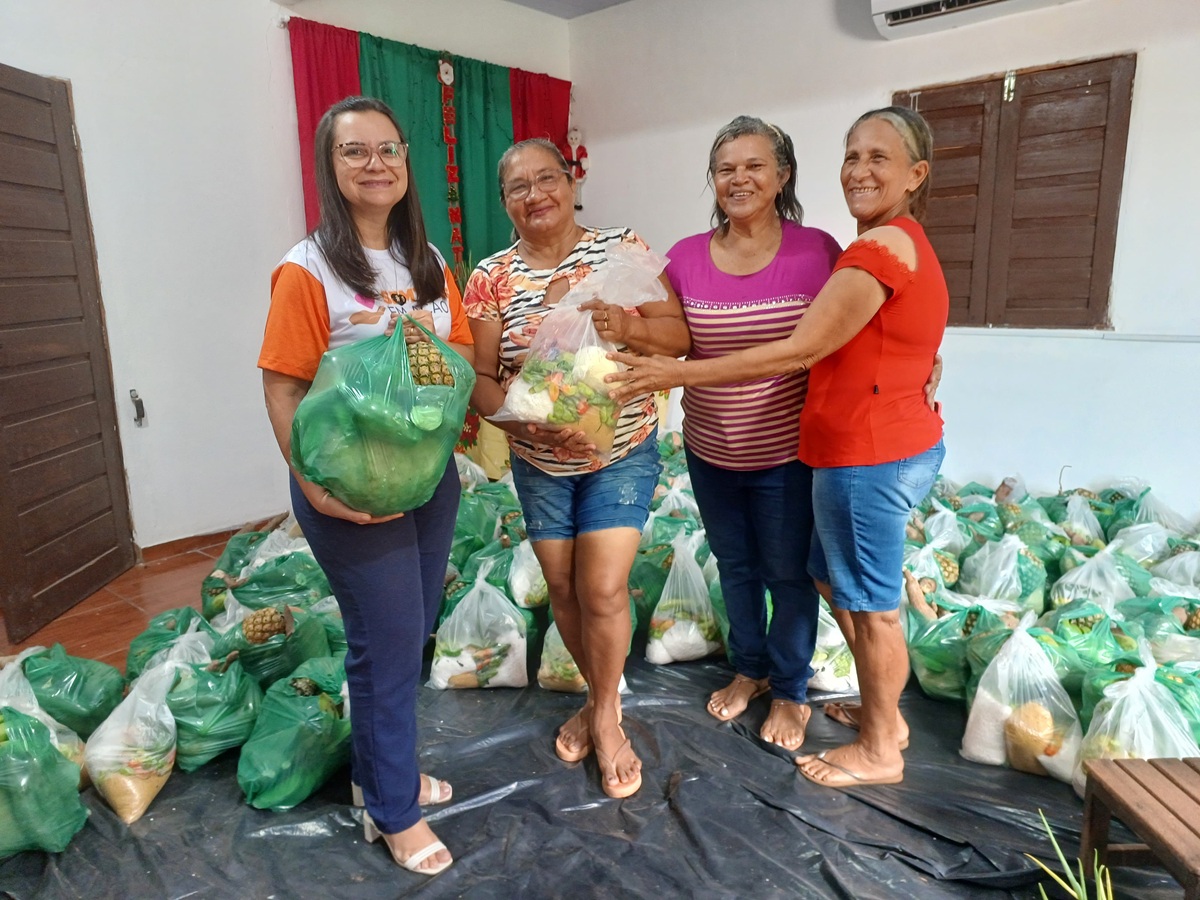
(720, 814)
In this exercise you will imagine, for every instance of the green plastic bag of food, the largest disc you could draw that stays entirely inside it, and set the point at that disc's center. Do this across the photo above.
(160, 634)
(647, 576)
(301, 737)
(79, 693)
(372, 436)
(938, 632)
(293, 578)
(500, 554)
(302, 637)
(330, 614)
(1088, 628)
(477, 525)
(16, 692)
(215, 706)
(236, 556)
(40, 807)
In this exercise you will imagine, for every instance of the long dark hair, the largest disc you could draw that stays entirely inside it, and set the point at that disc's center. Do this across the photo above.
(787, 206)
(336, 235)
(918, 141)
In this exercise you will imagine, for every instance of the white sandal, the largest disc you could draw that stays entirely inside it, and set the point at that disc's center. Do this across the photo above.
(436, 795)
(371, 834)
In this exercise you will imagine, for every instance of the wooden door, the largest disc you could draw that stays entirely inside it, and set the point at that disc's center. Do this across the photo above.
(64, 514)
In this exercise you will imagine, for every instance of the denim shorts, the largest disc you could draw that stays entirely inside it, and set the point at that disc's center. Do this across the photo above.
(859, 515)
(560, 507)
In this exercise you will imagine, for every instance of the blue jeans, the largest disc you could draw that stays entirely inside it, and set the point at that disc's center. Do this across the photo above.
(387, 579)
(860, 513)
(759, 526)
(562, 507)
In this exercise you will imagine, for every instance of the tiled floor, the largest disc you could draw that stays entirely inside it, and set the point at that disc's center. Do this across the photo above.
(102, 626)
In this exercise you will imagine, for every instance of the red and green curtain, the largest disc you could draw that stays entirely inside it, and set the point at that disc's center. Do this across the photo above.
(456, 136)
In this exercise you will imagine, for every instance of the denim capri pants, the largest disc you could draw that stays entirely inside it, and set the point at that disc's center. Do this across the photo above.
(859, 516)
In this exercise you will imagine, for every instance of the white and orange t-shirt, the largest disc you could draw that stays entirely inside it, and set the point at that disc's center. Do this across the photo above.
(312, 310)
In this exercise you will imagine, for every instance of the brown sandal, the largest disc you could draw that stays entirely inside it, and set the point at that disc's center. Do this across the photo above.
(617, 791)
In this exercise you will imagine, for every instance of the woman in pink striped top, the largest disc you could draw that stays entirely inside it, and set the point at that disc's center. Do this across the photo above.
(748, 281)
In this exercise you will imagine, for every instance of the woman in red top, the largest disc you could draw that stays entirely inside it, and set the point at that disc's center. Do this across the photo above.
(875, 444)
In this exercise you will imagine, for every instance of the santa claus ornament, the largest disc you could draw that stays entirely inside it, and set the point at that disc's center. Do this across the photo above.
(577, 163)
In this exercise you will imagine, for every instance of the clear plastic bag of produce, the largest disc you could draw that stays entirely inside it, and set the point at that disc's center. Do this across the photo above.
(1099, 579)
(526, 583)
(80, 693)
(130, 756)
(40, 807)
(683, 625)
(16, 692)
(1022, 715)
(983, 646)
(557, 670)
(270, 642)
(1007, 570)
(1138, 718)
(482, 643)
(470, 473)
(562, 379)
(498, 556)
(1134, 503)
(934, 569)
(1080, 523)
(1183, 568)
(377, 432)
(301, 737)
(832, 662)
(941, 530)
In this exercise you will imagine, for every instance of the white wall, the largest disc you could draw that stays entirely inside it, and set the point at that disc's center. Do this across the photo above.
(187, 123)
(652, 87)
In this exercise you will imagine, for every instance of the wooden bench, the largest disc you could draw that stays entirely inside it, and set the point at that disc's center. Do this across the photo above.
(1159, 801)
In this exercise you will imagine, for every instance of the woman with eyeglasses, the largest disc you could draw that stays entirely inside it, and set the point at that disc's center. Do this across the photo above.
(365, 263)
(583, 516)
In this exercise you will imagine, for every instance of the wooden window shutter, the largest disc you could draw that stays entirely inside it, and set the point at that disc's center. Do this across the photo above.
(1058, 188)
(965, 120)
(1026, 186)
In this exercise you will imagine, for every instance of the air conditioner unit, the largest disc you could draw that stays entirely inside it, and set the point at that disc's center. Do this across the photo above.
(901, 18)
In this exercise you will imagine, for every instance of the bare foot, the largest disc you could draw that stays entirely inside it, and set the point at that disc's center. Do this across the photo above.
(574, 741)
(411, 841)
(733, 699)
(786, 724)
(620, 768)
(852, 765)
(847, 714)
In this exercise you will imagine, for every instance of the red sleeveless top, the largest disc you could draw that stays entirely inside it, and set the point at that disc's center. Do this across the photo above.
(866, 402)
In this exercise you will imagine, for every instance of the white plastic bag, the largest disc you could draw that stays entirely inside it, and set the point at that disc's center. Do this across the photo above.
(1145, 543)
(683, 625)
(526, 582)
(1098, 579)
(1022, 706)
(470, 473)
(1007, 570)
(832, 662)
(1081, 524)
(1183, 569)
(1138, 718)
(130, 756)
(482, 643)
(942, 531)
(562, 379)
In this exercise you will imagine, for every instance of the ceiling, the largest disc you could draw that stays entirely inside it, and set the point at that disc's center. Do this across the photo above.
(568, 9)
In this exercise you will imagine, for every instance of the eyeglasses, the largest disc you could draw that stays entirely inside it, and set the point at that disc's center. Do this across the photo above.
(546, 183)
(357, 155)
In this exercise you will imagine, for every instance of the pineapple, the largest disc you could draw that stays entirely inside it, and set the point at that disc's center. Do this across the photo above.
(949, 566)
(263, 624)
(1192, 622)
(305, 687)
(428, 366)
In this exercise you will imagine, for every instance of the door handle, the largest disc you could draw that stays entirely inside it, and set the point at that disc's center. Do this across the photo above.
(139, 408)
